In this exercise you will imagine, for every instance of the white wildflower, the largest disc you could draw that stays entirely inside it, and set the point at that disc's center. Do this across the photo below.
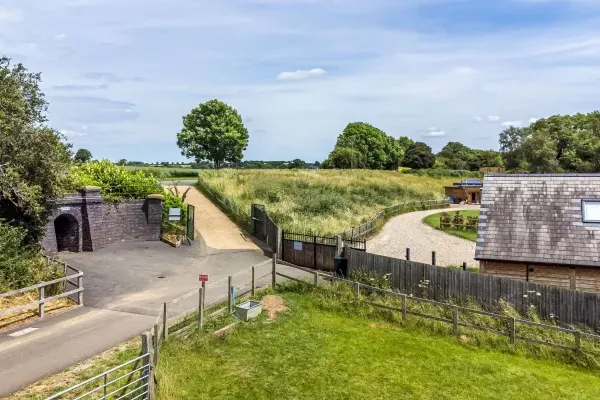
(525, 296)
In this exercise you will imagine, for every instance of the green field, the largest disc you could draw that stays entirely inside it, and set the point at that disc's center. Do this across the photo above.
(317, 350)
(322, 201)
(433, 220)
(169, 173)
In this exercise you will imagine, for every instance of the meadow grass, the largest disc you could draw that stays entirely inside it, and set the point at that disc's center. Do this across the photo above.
(325, 349)
(433, 220)
(168, 173)
(322, 201)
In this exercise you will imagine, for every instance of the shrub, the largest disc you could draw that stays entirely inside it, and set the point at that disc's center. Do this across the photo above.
(117, 182)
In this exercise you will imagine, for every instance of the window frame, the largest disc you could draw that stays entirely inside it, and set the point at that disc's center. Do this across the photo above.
(584, 218)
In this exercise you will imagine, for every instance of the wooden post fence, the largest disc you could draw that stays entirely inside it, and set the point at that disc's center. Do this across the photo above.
(274, 277)
(230, 294)
(42, 305)
(253, 291)
(165, 322)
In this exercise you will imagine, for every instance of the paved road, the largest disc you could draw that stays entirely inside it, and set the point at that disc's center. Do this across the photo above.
(125, 286)
(408, 230)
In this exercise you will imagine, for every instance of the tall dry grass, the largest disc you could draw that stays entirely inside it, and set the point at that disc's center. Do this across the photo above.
(322, 201)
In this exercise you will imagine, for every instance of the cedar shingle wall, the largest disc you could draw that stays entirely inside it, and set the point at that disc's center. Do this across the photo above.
(537, 219)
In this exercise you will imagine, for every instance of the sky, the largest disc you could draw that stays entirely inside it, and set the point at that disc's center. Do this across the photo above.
(119, 75)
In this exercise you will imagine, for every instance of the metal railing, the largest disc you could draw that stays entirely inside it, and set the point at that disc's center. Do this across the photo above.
(104, 386)
(41, 289)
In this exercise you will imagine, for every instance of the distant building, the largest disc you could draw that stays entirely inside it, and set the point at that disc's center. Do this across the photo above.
(468, 191)
(541, 228)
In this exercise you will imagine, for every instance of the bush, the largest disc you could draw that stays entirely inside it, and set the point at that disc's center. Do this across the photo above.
(117, 182)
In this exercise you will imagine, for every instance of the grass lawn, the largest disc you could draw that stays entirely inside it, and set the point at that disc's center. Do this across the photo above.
(314, 352)
(323, 201)
(433, 220)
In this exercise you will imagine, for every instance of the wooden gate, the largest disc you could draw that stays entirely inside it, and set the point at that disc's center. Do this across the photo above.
(310, 251)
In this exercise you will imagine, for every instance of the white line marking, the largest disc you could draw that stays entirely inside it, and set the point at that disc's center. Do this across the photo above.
(23, 332)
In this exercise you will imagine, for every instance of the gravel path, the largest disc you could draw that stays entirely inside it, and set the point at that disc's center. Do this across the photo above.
(408, 230)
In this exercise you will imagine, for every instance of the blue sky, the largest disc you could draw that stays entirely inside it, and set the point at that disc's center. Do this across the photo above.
(119, 75)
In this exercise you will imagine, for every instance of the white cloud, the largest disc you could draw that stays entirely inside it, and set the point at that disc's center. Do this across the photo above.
(434, 133)
(60, 36)
(301, 74)
(508, 124)
(493, 118)
(433, 128)
(533, 120)
(7, 14)
(478, 119)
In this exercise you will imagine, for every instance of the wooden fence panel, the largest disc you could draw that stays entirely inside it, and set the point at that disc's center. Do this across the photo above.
(567, 306)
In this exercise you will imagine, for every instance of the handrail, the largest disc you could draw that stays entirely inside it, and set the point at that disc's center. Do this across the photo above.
(39, 285)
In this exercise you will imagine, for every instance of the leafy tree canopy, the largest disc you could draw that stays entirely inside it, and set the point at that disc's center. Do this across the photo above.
(213, 131)
(83, 155)
(378, 150)
(418, 156)
(560, 143)
(34, 159)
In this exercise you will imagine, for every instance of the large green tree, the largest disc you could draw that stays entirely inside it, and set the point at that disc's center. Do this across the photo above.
(34, 159)
(569, 143)
(377, 149)
(213, 131)
(418, 156)
(83, 155)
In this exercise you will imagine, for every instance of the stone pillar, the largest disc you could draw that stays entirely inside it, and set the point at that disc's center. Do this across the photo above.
(93, 237)
(154, 211)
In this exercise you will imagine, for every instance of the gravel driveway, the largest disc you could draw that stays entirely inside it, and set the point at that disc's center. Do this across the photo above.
(408, 230)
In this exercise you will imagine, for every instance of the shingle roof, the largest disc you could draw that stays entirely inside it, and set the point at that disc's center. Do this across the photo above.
(537, 218)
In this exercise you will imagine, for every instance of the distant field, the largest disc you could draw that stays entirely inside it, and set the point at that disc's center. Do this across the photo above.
(183, 171)
(323, 201)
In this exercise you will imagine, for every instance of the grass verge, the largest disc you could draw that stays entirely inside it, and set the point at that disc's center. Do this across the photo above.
(321, 349)
(433, 220)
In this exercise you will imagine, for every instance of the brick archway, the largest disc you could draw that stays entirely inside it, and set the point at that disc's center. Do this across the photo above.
(66, 228)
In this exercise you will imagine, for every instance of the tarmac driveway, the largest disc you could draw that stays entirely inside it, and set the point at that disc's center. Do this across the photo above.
(138, 277)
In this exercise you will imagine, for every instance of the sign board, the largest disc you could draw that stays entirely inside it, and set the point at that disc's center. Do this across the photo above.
(203, 278)
(174, 214)
(297, 245)
(64, 208)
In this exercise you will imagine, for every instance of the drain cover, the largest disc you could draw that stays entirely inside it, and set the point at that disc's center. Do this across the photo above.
(161, 276)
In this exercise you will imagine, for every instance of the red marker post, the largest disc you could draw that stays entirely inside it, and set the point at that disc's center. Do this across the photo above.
(203, 278)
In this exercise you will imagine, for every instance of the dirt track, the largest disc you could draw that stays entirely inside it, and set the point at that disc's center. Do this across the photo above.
(408, 230)
(216, 229)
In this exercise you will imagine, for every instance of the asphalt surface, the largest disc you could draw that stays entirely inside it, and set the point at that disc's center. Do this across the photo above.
(126, 285)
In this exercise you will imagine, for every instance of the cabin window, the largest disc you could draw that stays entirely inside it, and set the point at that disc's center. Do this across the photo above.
(590, 210)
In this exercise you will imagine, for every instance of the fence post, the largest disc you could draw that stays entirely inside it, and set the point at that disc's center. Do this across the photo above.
(165, 322)
(80, 286)
(315, 251)
(577, 341)
(229, 293)
(274, 274)
(105, 381)
(403, 307)
(316, 279)
(200, 308)
(253, 292)
(464, 267)
(41, 305)
(357, 290)
(146, 348)
(407, 254)
(156, 344)
(512, 331)
(339, 245)
(203, 293)
(433, 258)
(455, 320)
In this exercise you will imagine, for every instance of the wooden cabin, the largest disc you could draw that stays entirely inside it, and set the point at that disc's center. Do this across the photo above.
(544, 228)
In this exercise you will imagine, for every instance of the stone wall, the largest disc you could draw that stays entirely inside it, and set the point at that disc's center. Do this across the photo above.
(100, 223)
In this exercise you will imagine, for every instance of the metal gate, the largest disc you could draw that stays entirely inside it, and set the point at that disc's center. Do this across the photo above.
(310, 251)
(190, 231)
(259, 226)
